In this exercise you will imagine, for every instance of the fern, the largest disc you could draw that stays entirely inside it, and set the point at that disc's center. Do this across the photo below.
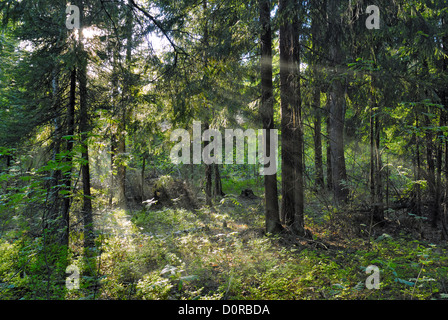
(230, 198)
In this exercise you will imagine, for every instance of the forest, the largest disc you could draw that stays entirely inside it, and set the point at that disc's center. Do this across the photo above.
(223, 150)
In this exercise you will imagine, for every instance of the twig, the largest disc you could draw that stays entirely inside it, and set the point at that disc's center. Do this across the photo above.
(158, 25)
(416, 280)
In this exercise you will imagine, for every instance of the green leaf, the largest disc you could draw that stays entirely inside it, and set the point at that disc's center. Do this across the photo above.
(409, 283)
(189, 278)
(382, 237)
(359, 286)
(422, 33)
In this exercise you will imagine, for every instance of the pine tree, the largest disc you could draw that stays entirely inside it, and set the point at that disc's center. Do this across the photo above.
(267, 114)
(291, 122)
(337, 103)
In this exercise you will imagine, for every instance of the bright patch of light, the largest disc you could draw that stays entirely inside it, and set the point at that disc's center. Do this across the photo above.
(91, 32)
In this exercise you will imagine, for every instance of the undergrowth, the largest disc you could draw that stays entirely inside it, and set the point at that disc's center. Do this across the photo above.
(223, 253)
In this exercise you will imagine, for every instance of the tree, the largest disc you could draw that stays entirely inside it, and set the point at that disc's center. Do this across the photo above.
(316, 35)
(125, 105)
(291, 122)
(217, 93)
(44, 72)
(337, 103)
(267, 115)
(84, 129)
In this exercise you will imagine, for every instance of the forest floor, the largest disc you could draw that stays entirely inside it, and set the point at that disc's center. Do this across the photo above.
(222, 252)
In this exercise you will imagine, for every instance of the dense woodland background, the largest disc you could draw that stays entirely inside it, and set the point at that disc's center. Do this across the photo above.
(86, 178)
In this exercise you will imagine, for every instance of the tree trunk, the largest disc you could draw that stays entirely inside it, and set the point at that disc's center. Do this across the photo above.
(217, 186)
(52, 220)
(68, 175)
(337, 115)
(113, 126)
(417, 171)
(438, 178)
(445, 207)
(431, 177)
(376, 192)
(286, 120)
(337, 104)
(318, 163)
(84, 128)
(379, 216)
(208, 184)
(208, 176)
(292, 140)
(125, 104)
(299, 165)
(329, 168)
(142, 189)
(208, 167)
(372, 158)
(113, 150)
(267, 116)
(444, 99)
(121, 166)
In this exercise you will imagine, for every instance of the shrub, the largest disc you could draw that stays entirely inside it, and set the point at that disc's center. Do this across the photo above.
(153, 287)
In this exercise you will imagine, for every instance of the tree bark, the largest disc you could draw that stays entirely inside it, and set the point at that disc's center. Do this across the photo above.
(417, 170)
(121, 166)
(125, 103)
(208, 167)
(375, 161)
(272, 220)
(113, 150)
(372, 157)
(84, 128)
(69, 147)
(438, 178)
(292, 140)
(142, 189)
(208, 175)
(337, 104)
(52, 219)
(379, 165)
(431, 177)
(328, 149)
(337, 115)
(217, 186)
(444, 99)
(113, 126)
(318, 163)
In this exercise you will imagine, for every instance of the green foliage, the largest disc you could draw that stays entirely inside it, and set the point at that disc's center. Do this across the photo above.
(153, 287)
(165, 220)
(235, 181)
(31, 270)
(10, 282)
(394, 77)
(409, 269)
